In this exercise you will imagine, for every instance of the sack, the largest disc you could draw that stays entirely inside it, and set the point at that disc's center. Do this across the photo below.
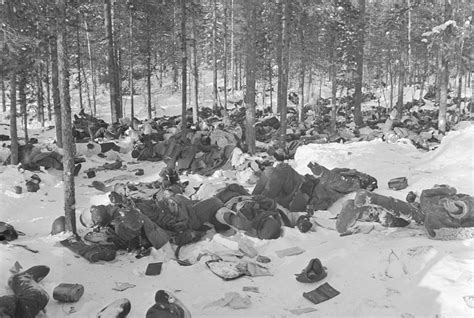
(398, 183)
(444, 210)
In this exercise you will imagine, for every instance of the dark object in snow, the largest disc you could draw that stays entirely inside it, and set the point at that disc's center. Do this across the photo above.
(139, 172)
(30, 298)
(321, 294)
(118, 309)
(448, 215)
(18, 189)
(347, 217)
(154, 269)
(59, 225)
(314, 272)
(263, 259)
(167, 306)
(90, 174)
(304, 224)
(398, 183)
(100, 186)
(93, 253)
(77, 168)
(32, 185)
(4, 137)
(411, 197)
(7, 232)
(68, 293)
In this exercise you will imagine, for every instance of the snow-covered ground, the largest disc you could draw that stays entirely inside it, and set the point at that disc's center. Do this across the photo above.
(388, 272)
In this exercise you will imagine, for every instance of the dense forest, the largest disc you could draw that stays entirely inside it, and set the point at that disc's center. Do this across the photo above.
(260, 47)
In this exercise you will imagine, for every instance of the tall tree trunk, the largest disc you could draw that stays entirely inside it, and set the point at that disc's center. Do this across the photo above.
(302, 65)
(225, 55)
(78, 65)
(4, 99)
(279, 47)
(48, 86)
(184, 58)
(13, 126)
(410, 70)
(232, 48)
(130, 50)
(250, 65)
(195, 73)
(310, 90)
(444, 75)
(175, 36)
(92, 69)
(112, 76)
(88, 92)
(391, 84)
(360, 65)
(148, 78)
(23, 103)
(40, 95)
(55, 88)
(68, 144)
(401, 81)
(270, 82)
(285, 56)
(214, 54)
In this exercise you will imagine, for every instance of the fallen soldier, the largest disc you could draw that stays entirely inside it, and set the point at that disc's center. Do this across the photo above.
(444, 213)
(311, 192)
(32, 158)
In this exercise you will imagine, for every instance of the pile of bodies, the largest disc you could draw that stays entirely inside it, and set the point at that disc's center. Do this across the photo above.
(282, 197)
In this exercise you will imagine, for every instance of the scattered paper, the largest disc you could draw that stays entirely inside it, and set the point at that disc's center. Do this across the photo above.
(300, 311)
(250, 289)
(290, 251)
(122, 286)
(232, 300)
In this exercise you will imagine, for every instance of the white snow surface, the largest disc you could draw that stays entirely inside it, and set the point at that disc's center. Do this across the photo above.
(389, 272)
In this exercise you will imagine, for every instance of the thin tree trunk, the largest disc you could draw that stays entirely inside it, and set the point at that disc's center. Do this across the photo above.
(56, 98)
(113, 85)
(184, 58)
(409, 42)
(285, 55)
(270, 82)
(401, 80)
(48, 87)
(359, 55)
(175, 63)
(40, 95)
(78, 65)
(92, 69)
(214, 54)
(68, 158)
(302, 66)
(130, 50)
(88, 92)
(4, 99)
(13, 126)
(250, 65)
(279, 46)
(195, 73)
(310, 86)
(148, 78)
(23, 106)
(443, 95)
(225, 55)
(391, 84)
(232, 48)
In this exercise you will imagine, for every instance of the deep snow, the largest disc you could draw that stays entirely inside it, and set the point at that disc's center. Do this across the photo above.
(388, 272)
